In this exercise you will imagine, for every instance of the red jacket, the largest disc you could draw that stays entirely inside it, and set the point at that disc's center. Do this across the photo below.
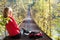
(12, 27)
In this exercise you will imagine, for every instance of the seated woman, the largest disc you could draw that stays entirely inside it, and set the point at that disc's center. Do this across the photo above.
(12, 27)
(33, 35)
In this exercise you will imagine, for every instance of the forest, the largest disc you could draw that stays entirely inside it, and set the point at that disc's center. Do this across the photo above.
(46, 14)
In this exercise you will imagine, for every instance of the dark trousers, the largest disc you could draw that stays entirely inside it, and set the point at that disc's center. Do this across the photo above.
(18, 36)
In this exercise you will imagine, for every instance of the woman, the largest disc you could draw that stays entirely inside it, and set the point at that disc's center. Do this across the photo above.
(12, 27)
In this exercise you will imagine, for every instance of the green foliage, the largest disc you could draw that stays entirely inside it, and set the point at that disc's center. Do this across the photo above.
(46, 13)
(3, 22)
(47, 16)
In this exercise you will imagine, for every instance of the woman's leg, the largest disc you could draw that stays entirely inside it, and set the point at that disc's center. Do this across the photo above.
(16, 37)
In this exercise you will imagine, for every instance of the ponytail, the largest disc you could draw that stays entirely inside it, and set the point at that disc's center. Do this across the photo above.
(5, 13)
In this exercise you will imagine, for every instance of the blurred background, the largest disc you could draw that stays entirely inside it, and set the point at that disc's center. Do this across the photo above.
(46, 14)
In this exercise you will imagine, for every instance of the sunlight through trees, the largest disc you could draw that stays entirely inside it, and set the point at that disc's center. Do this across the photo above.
(46, 14)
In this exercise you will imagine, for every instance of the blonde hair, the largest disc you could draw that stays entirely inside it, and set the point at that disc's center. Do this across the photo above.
(10, 9)
(5, 12)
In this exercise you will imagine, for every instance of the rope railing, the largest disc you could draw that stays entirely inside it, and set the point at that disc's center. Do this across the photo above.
(50, 15)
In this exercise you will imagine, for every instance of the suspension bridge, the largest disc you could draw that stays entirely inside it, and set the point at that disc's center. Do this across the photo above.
(29, 24)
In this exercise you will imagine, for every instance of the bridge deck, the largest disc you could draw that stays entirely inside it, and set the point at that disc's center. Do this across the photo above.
(30, 25)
